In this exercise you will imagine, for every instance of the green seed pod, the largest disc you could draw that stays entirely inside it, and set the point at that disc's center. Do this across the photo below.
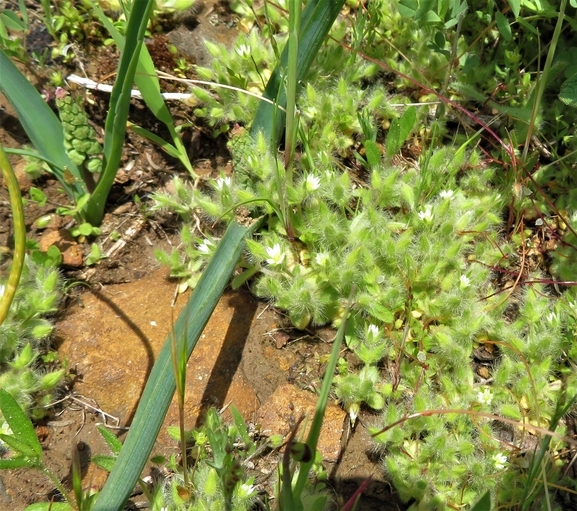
(94, 165)
(50, 380)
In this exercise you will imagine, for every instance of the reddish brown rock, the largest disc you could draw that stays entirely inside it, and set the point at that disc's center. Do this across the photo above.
(286, 406)
(115, 337)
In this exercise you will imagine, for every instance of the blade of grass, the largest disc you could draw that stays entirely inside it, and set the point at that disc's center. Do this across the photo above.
(115, 127)
(160, 386)
(19, 236)
(317, 19)
(147, 82)
(315, 431)
(40, 123)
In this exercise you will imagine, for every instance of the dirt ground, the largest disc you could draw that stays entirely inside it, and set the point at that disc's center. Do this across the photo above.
(258, 359)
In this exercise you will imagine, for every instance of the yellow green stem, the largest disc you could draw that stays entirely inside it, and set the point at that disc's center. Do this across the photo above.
(19, 236)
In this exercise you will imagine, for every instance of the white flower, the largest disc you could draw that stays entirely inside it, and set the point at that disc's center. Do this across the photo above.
(246, 491)
(275, 255)
(2, 290)
(373, 333)
(426, 214)
(322, 258)
(206, 246)
(447, 194)
(552, 317)
(310, 112)
(464, 281)
(312, 183)
(5, 430)
(243, 51)
(500, 460)
(485, 396)
(221, 182)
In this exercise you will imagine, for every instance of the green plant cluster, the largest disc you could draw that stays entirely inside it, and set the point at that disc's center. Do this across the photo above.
(23, 337)
(421, 242)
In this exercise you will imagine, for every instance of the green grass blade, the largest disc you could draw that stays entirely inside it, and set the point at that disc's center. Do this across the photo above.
(40, 123)
(167, 147)
(315, 431)
(19, 236)
(21, 427)
(115, 127)
(160, 386)
(317, 19)
(148, 84)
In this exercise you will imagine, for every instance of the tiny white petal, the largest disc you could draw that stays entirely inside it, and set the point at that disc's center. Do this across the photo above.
(426, 214)
(312, 183)
(500, 460)
(322, 258)
(243, 51)
(447, 194)
(464, 282)
(275, 255)
(206, 246)
(221, 182)
(485, 396)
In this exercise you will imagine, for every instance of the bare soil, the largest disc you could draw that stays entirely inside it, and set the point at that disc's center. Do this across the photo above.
(268, 355)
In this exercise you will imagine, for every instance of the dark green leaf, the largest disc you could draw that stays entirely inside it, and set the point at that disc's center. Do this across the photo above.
(568, 92)
(516, 7)
(503, 25)
(484, 503)
(40, 123)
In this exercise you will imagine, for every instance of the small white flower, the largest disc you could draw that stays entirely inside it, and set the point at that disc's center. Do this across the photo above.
(310, 112)
(275, 255)
(426, 214)
(221, 182)
(322, 258)
(500, 460)
(552, 317)
(447, 194)
(312, 183)
(246, 490)
(464, 282)
(205, 247)
(373, 333)
(485, 396)
(2, 290)
(243, 51)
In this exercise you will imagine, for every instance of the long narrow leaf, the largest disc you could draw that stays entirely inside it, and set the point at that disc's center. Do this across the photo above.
(149, 86)
(160, 386)
(40, 123)
(317, 19)
(115, 127)
(315, 431)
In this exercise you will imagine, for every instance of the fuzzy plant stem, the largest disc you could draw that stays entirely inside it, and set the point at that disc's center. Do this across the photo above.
(19, 236)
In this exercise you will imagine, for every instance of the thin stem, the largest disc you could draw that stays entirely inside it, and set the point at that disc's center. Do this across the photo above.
(19, 236)
(543, 78)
